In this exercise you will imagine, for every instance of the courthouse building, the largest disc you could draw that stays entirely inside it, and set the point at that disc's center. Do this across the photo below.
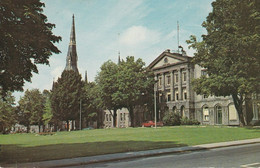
(174, 72)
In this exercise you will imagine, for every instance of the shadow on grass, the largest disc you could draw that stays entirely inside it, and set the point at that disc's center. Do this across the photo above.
(255, 128)
(19, 154)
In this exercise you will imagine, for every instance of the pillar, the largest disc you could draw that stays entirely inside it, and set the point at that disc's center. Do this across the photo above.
(179, 84)
(172, 86)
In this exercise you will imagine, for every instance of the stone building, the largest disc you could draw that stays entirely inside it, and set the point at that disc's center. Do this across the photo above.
(173, 73)
(122, 120)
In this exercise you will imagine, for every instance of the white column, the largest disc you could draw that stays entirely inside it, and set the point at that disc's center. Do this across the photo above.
(188, 83)
(179, 84)
(163, 81)
(172, 86)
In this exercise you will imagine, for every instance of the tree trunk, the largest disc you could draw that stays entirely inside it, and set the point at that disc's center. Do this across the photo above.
(238, 105)
(39, 126)
(28, 129)
(131, 113)
(248, 109)
(43, 127)
(115, 117)
(68, 125)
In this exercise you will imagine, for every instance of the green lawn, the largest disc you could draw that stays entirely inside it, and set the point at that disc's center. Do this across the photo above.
(32, 147)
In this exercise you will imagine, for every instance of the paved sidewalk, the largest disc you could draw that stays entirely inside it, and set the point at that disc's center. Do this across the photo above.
(129, 155)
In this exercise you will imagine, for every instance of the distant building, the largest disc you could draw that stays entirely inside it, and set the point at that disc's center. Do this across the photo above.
(174, 72)
(122, 120)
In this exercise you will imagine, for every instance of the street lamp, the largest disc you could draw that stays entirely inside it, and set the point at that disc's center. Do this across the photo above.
(80, 114)
(155, 116)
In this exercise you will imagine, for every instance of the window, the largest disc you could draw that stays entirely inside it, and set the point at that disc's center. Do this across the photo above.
(219, 114)
(185, 95)
(107, 117)
(168, 79)
(205, 113)
(176, 95)
(184, 76)
(203, 72)
(168, 97)
(121, 117)
(176, 78)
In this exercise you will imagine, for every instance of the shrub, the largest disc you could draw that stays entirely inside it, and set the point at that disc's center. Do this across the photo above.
(186, 121)
(171, 119)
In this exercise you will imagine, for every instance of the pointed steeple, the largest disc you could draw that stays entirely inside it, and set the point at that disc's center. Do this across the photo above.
(72, 58)
(119, 60)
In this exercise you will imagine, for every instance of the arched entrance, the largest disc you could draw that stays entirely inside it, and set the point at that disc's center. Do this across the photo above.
(219, 114)
(182, 111)
(174, 109)
(205, 113)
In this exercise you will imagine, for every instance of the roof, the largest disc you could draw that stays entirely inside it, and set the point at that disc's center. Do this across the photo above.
(175, 57)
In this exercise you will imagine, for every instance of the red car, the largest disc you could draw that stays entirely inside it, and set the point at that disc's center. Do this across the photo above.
(152, 124)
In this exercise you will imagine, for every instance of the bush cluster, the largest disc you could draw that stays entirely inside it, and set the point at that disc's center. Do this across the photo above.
(172, 119)
(186, 121)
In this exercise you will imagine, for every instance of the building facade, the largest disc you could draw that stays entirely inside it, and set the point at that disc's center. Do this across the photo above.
(122, 120)
(174, 73)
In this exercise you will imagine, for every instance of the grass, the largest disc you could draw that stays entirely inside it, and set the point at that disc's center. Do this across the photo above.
(17, 148)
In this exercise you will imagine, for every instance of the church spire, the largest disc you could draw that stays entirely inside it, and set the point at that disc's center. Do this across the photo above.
(72, 58)
(119, 60)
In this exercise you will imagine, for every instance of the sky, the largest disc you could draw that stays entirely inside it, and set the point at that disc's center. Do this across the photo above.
(139, 28)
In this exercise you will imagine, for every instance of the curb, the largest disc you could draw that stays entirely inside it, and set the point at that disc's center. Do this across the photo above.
(131, 155)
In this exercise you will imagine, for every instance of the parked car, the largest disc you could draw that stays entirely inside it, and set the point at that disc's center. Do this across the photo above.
(152, 124)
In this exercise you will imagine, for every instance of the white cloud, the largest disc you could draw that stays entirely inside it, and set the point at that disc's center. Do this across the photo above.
(136, 35)
(56, 72)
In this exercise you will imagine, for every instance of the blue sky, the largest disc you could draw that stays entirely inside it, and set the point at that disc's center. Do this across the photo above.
(140, 28)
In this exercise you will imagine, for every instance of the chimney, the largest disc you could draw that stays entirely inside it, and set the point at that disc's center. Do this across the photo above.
(168, 50)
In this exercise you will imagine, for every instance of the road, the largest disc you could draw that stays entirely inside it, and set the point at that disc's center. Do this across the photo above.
(236, 156)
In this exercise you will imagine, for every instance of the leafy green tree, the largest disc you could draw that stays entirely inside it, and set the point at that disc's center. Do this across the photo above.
(127, 84)
(7, 113)
(106, 81)
(32, 108)
(230, 52)
(26, 39)
(91, 103)
(65, 97)
(134, 81)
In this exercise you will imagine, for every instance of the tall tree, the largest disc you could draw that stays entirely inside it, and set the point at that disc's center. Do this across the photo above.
(134, 85)
(230, 52)
(91, 103)
(106, 81)
(32, 108)
(26, 39)
(66, 95)
(127, 84)
(7, 113)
